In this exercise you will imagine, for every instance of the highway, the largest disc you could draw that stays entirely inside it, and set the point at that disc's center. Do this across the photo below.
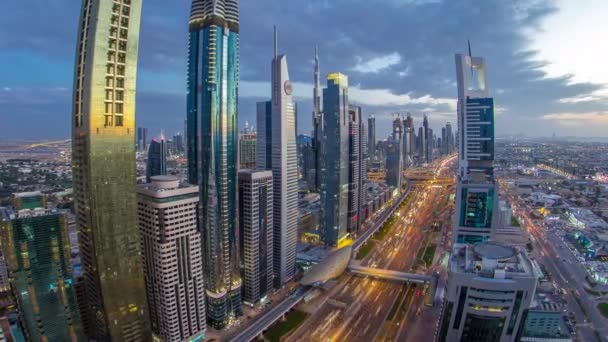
(361, 308)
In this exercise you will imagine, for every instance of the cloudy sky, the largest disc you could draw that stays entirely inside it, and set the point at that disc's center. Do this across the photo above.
(546, 60)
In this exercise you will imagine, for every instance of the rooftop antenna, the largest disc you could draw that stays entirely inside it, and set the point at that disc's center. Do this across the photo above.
(276, 42)
(470, 56)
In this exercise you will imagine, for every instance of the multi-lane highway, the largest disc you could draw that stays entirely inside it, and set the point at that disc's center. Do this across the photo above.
(364, 309)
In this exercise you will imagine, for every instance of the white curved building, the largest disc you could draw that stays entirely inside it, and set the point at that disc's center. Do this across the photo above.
(329, 268)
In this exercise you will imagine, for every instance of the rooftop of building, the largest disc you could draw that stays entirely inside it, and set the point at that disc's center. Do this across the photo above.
(491, 260)
(166, 186)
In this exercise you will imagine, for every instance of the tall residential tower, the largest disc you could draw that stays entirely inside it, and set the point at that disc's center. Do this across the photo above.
(103, 165)
(213, 77)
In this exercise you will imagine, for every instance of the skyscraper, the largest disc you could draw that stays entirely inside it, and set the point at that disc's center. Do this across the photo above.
(409, 143)
(394, 155)
(103, 165)
(157, 158)
(173, 262)
(256, 245)
(371, 138)
(427, 145)
(443, 146)
(450, 138)
(213, 75)
(277, 151)
(357, 169)
(36, 248)
(334, 160)
(247, 143)
(142, 138)
(317, 122)
(476, 194)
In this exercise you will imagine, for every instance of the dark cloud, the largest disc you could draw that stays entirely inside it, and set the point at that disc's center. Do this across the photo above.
(424, 34)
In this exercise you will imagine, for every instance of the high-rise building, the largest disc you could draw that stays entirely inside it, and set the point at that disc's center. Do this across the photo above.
(317, 122)
(450, 138)
(142, 138)
(357, 173)
(443, 144)
(334, 160)
(157, 158)
(394, 162)
(173, 262)
(277, 151)
(213, 76)
(104, 171)
(256, 238)
(427, 145)
(36, 248)
(408, 141)
(476, 194)
(490, 286)
(178, 143)
(247, 143)
(371, 138)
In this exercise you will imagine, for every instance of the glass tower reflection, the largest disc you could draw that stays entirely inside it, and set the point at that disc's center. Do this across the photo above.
(213, 73)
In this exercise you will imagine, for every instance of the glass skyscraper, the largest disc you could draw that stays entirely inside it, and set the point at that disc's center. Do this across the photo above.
(476, 194)
(334, 161)
(213, 75)
(157, 158)
(103, 165)
(36, 248)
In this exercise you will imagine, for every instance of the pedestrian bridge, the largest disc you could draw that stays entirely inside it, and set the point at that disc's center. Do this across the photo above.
(390, 275)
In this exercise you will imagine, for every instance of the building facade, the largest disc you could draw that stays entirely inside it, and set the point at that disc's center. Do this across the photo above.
(157, 158)
(277, 151)
(247, 143)
(36, 248)
(371, 138)
(104, 171)
(357, 169)
(256, 239)
(173, 262)
(212, 103)
(394, 163)
(334, 165)
(489, 288)
(317, 122)
(477, 191)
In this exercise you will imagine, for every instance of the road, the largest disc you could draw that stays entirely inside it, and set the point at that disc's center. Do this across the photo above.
(359, 309)
(567, 273)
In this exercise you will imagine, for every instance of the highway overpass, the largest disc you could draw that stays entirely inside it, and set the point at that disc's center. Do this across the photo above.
(390, 275)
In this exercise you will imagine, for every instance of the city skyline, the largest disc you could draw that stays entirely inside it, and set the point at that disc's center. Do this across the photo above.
(383, 74)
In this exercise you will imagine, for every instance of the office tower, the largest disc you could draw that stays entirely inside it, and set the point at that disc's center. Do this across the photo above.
(334, 161)
(490, 286)
(450, 138)
(247, 143)
(317, 122)
(104, 171)
(213, 75)
(420, 144)
(408, 141)
(371, 138)
(443, 145)
(476, 194)
(157, 158)
(142, 138)
(427, 145)
(277, 151)
(173, 262)
(36, 248)
(256, 239)
(178, 142)
(394, 162)
(357, 169)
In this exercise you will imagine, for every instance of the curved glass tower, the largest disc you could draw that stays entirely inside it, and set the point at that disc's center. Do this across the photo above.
(103, 164)
(213, 74)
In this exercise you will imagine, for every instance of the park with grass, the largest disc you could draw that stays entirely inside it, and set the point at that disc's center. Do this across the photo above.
(282, 328)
